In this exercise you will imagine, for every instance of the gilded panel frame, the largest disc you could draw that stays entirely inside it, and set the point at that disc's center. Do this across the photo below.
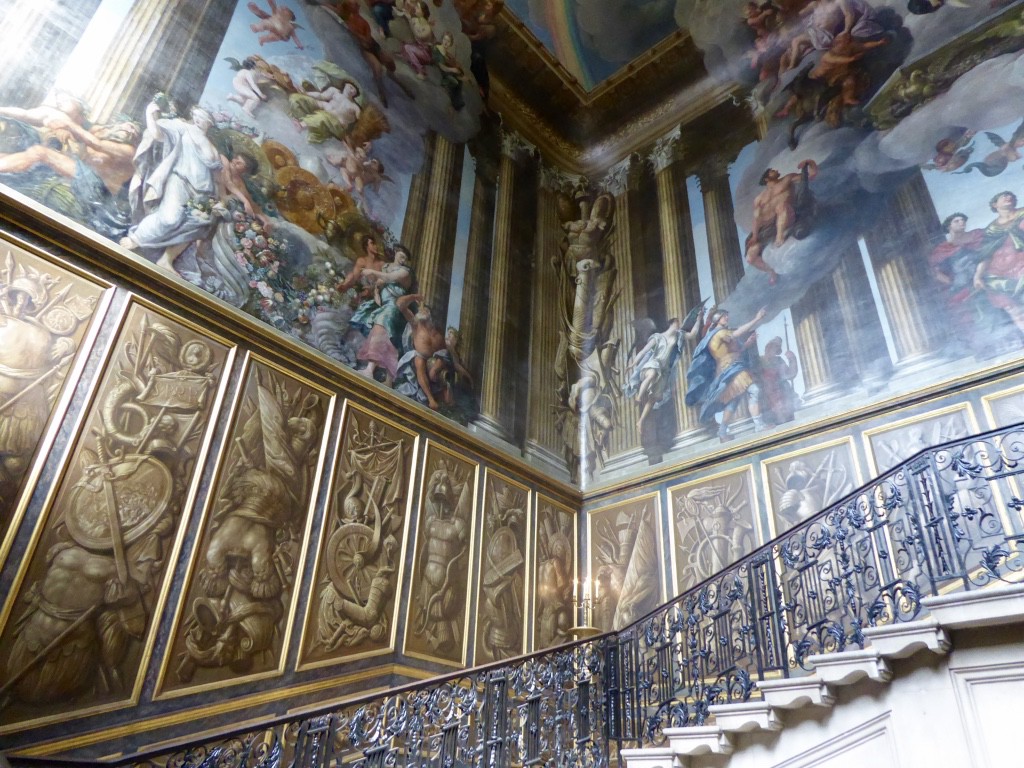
(768, 464)
(249, 363)
(869, 434)
(755, 518)
(105, 291)
(540, 498)
(348, 408)
(474, 477)
(659, 539)
(988, 404)
(489, 476)
(191, 492)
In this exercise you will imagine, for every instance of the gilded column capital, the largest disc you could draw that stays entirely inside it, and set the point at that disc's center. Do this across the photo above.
(711, 170)
(556, 179)
(667, 150)
(515, 146)
(616, 178)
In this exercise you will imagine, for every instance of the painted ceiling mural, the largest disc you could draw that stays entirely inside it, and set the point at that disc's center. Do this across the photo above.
(594, 39)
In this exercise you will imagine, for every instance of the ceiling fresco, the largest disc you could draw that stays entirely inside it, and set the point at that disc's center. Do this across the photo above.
(594, 39)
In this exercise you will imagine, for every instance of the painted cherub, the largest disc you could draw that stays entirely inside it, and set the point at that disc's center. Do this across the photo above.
(277, 26)
(246, 83)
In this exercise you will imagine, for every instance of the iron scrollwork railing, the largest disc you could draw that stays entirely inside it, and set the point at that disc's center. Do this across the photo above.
(949, 519)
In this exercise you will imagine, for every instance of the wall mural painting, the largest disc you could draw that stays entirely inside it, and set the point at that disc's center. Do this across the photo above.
(802, 483)
(889, 445)
(856, 230)
(625, 561)
(586, 271)
(45, 313)
(554, 574)
(504, 584)
(234, 619)
(358, 574)
(266, 158)
(437, 622)
(714, 523)
(81, 617)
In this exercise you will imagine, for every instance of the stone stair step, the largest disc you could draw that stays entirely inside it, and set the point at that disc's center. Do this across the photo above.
(796, 692)
(741, 717)
(849, 667)
(699, 740)
(900, 641)
(993, 606)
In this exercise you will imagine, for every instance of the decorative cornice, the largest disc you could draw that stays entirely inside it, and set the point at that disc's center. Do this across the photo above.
(609, 148)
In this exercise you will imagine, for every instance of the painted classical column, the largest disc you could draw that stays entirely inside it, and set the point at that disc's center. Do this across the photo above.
(160, 47)
(869, 356)
(35, 42)
(626, 438)
(476, 279)
(416, 204)
(542, 438)
(898, 244)
(498, 395)
(679, 257)
(436, 248)
(820, 342)
(720, 218)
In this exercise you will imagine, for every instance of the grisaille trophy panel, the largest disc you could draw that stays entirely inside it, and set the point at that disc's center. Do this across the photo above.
(436, 623)
(352, 609)
(625, 561)
(892, 443)
(554, 574)
(799, 484)
(45, 312)
(501, 600)
(234, 620)
(77, 637)
(713, 522)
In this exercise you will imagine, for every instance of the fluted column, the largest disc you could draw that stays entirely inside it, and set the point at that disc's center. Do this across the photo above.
(35, 41)
(436, 247)
(497, 397)
(720, 218)
(419, 192)
(868, 354)
(898, 244)
(626, 437)
(679, 258)
(160, 47)
(545, 322)
(476, 279)
(820, 342)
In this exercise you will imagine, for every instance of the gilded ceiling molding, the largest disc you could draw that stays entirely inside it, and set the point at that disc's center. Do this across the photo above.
(513, 23)
(606, 150)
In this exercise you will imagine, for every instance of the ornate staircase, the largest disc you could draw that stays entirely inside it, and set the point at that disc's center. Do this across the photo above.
(844, 610)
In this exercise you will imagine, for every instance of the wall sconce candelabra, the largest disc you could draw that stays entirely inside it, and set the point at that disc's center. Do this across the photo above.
(585, 594)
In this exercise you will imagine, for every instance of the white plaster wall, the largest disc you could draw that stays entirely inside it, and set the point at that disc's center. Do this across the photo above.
(958, 711)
